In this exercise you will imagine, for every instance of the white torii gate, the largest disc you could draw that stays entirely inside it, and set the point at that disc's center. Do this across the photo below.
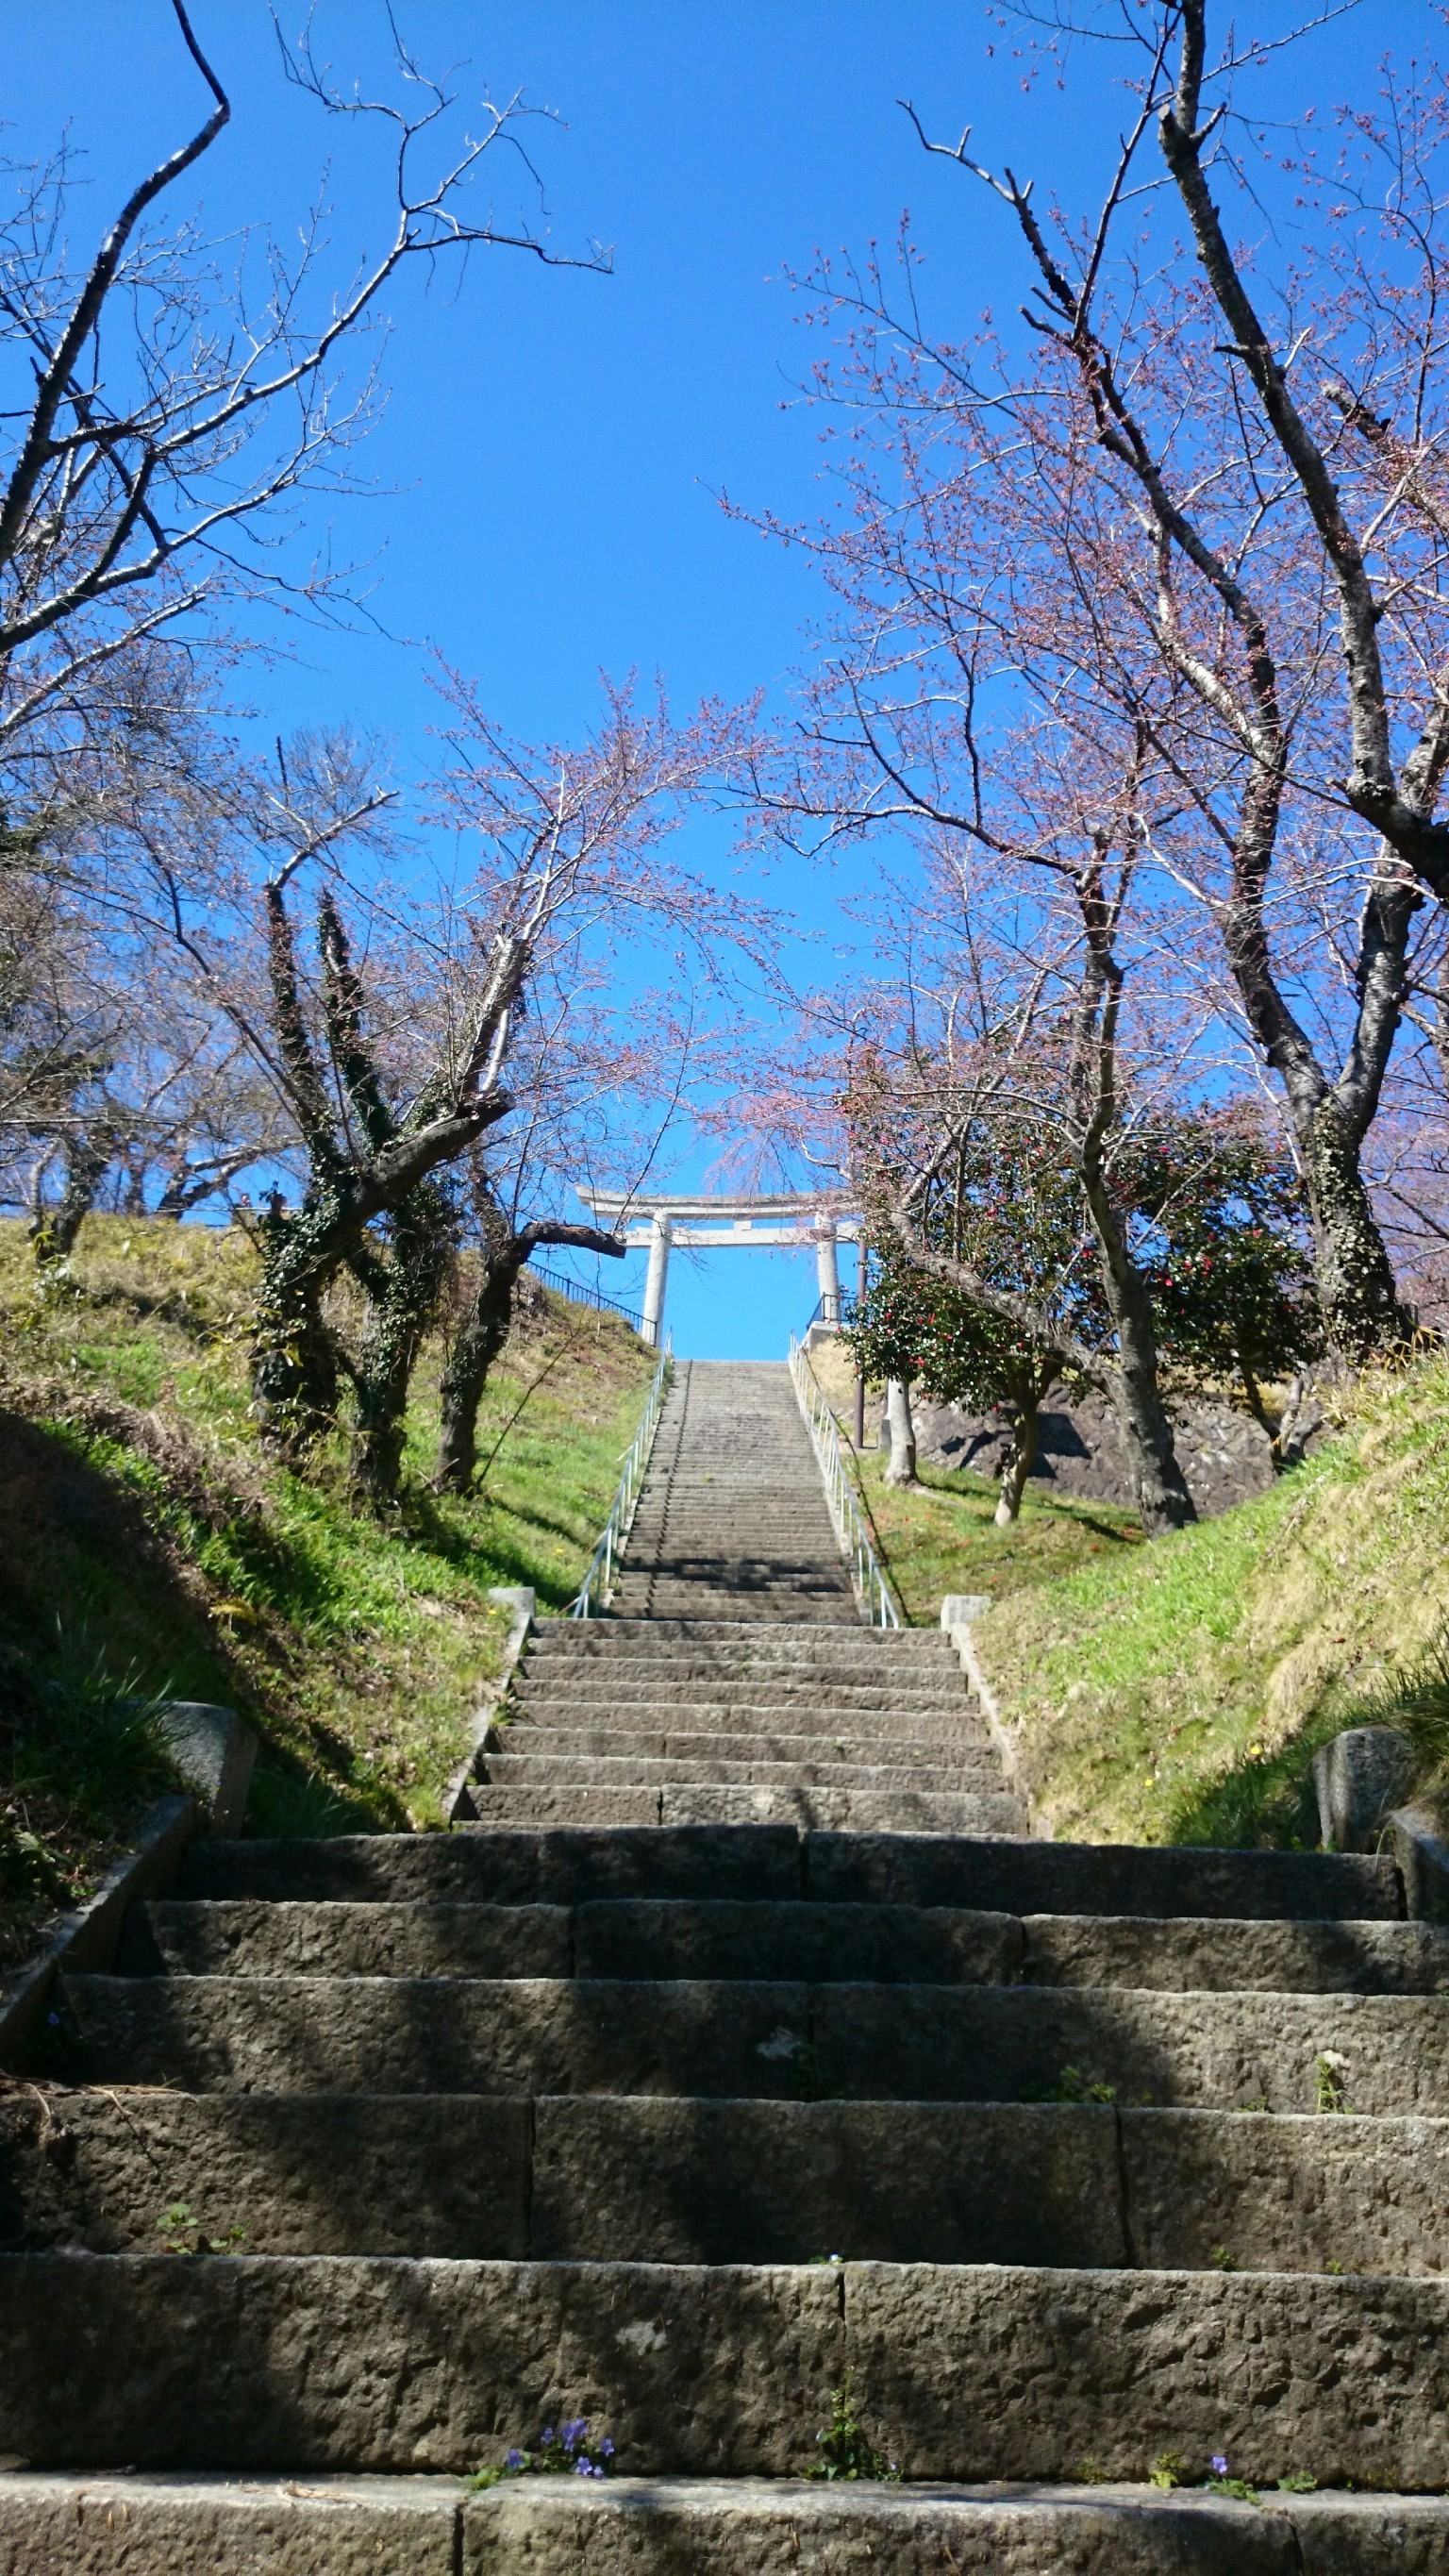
(713, 1224)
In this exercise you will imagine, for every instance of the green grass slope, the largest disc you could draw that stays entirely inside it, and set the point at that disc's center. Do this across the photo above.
(1176, 1693)
(149, 1548)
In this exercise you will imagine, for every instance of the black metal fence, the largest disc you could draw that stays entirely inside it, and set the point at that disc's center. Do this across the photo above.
(579, 1295)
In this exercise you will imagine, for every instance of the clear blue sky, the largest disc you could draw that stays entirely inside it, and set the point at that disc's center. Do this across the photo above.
(554, 442)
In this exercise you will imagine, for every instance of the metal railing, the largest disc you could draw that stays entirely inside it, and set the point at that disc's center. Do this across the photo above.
(598, 1583)
(580, 1295)
(867, 1573)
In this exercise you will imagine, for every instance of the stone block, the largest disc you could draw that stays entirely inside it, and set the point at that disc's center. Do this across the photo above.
(763, 2182)
(1422, 1855)
(1363, 1774)
(1294, 2193)
(214, 1753)
(959, 1609)
(123, 2525)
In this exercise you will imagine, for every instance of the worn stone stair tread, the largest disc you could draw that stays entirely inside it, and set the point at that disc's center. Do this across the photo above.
(861, 2041)
(473, 2177)
(285, 2523)
(561, 1864)
(533, 1734)
(367, 2364)
(703, 1802)
(522, 1767)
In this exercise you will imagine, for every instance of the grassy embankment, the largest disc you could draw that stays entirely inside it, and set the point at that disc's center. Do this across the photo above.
(1176, 1693)
(148, 1548)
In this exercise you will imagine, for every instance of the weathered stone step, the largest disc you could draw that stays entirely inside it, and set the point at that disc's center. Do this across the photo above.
(675, 1731)
(275, 2524)
(903, 1810)
(471, 2177)
(638, 1937)
(566, 1866)
(707, 1641)
(521, 1766)
(571, 1865)
(825, 1610)
(970, 2372)
(831, 1696)
(863, 2041)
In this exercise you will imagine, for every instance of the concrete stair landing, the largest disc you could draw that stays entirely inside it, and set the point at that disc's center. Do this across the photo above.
(742, 2047)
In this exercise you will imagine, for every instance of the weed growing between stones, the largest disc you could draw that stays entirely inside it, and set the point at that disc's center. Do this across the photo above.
(1222, 2260)
(181, 2234)
(1071, 2086)
(567, 2452)
(1169, 2470)
(1328, 2074)
(844, 2449)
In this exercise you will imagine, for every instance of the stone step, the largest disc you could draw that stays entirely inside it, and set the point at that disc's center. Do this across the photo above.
(274, 2523)
(474, 2177)
(902, 1810)
(521, 1766)
(762, 2037)
(900, 1944)
(356, 2364)
(709, 1643)
(827, 1699)
(769, 1862)
(825, 1610)
(533, 1733)
(564, 1866)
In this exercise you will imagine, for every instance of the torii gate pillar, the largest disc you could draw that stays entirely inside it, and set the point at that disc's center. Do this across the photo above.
(661, 1234)
(827, 1271)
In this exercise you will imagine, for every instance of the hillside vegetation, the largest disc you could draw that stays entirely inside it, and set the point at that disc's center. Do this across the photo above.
(1176, 1694)
(148, 1549)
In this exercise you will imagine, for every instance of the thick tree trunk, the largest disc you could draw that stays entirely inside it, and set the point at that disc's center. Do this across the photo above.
(1020, 1460)
(1162, 1496)
(480, 1339)
(53, 1230)
(1355, 1278)
(293, 1357)
(901, 1469)
(403, 1298)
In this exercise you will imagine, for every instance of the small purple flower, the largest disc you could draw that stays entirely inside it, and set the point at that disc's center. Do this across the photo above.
(546, 2436)
(582, 2469)
(1219, 2465)
(514, 2460)
(606, 2448)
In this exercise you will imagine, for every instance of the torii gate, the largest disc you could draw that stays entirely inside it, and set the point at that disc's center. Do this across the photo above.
(711, 1224)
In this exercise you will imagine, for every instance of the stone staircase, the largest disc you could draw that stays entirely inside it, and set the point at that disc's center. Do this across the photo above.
(681, 2115)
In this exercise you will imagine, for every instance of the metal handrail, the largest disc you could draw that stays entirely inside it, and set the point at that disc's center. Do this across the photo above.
(598, 1583)
(867, 1572)
(581, 1295)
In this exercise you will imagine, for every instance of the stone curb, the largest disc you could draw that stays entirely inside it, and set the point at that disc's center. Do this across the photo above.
(959, 1613)
(1423, 1859)
(263, 2525)
(521, 1601)
(90, 1938)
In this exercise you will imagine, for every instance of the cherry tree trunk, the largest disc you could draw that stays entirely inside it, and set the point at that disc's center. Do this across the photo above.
(902, 1467)
(1020, 1459)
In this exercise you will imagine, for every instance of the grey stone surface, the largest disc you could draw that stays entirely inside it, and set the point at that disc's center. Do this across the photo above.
(1024, 2374)
(567, 1866)
(890, 1943)
(984, 2043)
(1359, 1777)
(1100, 1878)
(395, 2365)
(385, 2366)
(421, 2035)
(1227, 1956)
(249, 1938)
(1297, 2194)
(280, 2526)
(723, 2182)
(214, 1751)
(1224, 1455)
(448, 2175)
(1422, 1855)
(749, 2528)
(857, 1811)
